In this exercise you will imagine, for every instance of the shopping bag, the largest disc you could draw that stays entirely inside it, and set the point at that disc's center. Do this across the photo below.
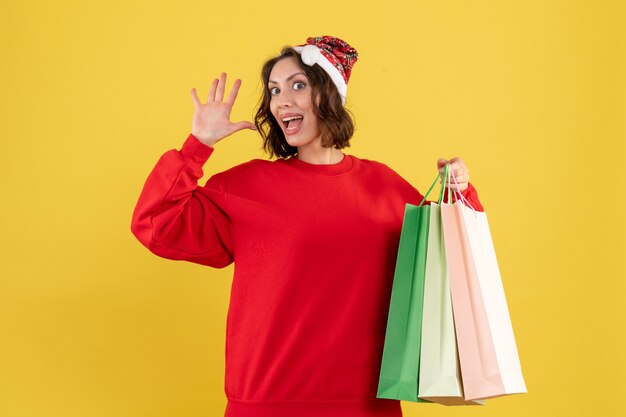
(440, 374)
(488, 354)
(399, 372)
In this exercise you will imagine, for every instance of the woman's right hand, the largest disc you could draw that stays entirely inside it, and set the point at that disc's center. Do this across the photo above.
(211, 121)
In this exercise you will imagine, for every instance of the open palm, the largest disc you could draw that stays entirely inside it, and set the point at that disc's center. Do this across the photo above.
(211, 121)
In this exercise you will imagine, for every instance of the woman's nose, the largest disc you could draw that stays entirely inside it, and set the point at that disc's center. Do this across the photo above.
(285, 99)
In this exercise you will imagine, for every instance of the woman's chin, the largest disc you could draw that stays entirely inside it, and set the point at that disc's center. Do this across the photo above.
(297, 139)
(293, 140)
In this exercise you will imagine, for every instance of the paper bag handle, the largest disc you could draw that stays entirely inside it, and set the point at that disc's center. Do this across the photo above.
(461, 197)
(429, 190)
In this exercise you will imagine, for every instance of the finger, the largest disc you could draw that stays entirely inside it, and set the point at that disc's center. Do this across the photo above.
(459, 171)
(454, 166)
(441, 163)
(458, 178)
(211, 96)
(453, 185)
(233, 92)
(458, 163)
(221, 85)
(461, 187)
(194, 97)
(443, 167)
(462, 179)
(447, 179)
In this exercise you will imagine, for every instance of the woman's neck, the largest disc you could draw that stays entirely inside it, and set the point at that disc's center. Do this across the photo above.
(315, 153)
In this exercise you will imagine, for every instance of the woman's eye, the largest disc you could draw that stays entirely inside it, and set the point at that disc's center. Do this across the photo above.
(299, 85)
(274, 91)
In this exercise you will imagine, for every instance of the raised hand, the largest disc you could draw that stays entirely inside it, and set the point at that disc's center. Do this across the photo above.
(211, 121)
(460, 172)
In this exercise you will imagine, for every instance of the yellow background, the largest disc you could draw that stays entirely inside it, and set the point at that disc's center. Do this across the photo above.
(532, 95)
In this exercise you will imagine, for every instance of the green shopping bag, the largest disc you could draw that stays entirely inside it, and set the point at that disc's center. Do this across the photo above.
(399, 373)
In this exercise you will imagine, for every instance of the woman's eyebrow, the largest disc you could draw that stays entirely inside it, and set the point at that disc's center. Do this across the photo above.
(288, 78)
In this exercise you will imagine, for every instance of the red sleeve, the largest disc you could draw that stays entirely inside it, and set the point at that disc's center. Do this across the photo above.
(175, 218)
(470, 194)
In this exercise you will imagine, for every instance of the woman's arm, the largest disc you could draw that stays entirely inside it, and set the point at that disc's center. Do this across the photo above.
(174, 217)
(177, 219)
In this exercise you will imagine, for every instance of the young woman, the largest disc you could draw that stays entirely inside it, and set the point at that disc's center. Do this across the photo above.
(313, 236)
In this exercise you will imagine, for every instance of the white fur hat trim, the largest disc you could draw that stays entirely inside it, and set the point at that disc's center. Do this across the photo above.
(311, 53)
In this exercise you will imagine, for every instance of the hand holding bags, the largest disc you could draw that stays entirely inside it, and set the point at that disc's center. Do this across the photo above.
(437, 243)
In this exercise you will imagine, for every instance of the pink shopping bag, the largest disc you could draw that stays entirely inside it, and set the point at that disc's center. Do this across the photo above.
(488, 354)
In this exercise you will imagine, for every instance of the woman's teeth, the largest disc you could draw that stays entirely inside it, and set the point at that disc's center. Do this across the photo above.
(292, 122)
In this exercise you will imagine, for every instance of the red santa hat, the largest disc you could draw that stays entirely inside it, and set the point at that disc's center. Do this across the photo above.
(335, 57)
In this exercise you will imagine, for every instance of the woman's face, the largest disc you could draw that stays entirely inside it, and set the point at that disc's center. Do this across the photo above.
(291, 103)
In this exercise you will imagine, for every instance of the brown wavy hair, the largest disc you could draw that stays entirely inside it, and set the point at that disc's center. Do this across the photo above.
(336, 122)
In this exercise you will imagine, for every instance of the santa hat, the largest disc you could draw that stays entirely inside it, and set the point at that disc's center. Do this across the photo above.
(335, 57)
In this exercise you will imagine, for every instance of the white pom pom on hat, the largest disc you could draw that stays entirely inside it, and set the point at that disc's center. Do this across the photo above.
(310, 55)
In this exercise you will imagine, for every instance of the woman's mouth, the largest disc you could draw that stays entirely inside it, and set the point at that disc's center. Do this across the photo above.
(292, 123)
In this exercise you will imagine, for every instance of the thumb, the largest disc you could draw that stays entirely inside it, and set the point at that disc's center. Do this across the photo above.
(244, 125)
(441, 162)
